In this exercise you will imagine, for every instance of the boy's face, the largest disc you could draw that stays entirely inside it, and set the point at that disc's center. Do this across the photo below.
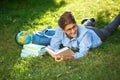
(71, 30)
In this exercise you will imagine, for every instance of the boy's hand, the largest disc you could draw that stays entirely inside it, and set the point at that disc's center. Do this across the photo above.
(59, 58)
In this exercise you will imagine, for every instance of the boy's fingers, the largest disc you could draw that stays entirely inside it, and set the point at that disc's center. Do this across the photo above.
(58, 59)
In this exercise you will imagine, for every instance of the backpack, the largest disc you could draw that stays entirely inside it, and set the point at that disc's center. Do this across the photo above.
(44, 37)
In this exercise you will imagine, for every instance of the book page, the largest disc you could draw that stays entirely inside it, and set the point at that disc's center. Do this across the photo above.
(63, 49)
(50, 51)
(63, 52)
(67, 52)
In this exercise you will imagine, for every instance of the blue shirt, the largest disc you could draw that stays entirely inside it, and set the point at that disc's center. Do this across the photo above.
(84, 40)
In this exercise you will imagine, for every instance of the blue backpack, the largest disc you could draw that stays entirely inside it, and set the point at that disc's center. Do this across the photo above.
(43, 37)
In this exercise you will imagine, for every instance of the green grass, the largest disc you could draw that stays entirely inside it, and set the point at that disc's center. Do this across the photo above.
(101, 63)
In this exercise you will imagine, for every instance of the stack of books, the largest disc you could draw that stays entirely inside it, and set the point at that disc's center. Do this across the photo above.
(33, 50)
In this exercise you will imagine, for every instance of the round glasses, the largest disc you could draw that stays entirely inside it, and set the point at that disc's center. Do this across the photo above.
(72, 28)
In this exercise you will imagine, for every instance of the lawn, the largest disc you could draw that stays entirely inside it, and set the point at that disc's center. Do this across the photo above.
(102, 63)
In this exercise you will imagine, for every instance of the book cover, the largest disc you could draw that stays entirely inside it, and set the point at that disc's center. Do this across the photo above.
(64, 52)
(26, 53)
(34, 47)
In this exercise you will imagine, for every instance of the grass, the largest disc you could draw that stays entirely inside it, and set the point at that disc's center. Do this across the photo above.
(101, 63)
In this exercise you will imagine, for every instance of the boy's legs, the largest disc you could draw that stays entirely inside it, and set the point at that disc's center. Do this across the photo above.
(88, 23)
(103, 33)
(111, 27)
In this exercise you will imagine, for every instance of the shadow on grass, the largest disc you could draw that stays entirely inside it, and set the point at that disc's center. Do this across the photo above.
(22, 13)
(14, 14)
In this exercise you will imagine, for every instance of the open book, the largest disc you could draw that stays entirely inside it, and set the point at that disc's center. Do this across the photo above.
(62, 52)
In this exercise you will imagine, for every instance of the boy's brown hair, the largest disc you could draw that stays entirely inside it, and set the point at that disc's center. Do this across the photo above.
(65, 19)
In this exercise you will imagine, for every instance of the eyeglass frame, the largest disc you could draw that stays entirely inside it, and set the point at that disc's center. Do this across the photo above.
(70, 29)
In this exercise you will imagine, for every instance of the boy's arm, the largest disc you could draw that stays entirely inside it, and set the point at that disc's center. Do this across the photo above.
(84, 46)
(56, 40)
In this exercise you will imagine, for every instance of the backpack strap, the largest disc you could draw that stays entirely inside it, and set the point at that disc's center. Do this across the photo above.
(48, 30)
(43, 33)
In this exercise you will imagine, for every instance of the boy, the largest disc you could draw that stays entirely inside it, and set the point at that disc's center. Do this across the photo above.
(78, 37)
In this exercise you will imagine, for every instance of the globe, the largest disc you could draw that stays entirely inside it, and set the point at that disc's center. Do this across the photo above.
(23, 37)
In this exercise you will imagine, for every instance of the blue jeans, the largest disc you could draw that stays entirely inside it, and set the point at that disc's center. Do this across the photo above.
(105, 32)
